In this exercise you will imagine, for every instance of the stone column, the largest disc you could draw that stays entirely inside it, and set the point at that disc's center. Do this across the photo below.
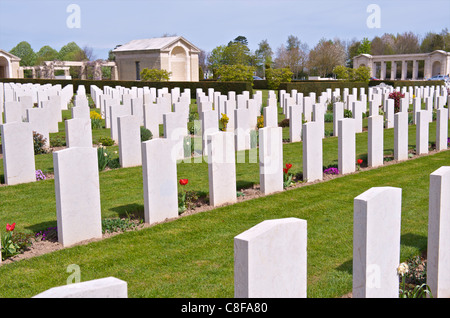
(404, 70)
(383, 70)
(393, 70)
(415, 72)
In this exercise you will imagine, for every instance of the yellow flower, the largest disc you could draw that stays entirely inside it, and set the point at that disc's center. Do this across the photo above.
(94, 115)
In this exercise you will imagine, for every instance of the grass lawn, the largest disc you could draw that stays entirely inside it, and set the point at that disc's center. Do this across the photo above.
(193, 255)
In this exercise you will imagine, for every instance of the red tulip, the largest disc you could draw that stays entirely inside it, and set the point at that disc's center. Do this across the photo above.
(184, 181)
(360, 161)
(11, 227)
(285, 170)
(288, 166)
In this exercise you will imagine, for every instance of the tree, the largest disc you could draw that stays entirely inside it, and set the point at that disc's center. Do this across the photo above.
(71, 52)
(406, 43)
(232, 54)
(293, 56)
(26, 54)
(432, 42)
(46, 53)
(241, 39)
(364, 47)
(276, 76)
(383, 45)
(325, 56)
(361, 74)
(237, 72)
(89, 53)
(264, 55)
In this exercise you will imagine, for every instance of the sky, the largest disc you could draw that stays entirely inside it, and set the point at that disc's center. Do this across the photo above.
(103, 24)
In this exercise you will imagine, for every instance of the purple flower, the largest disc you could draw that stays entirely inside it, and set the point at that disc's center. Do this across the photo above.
(331, 171)
(40, 175)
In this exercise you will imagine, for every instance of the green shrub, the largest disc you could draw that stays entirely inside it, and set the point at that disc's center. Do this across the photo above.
(106, 141)
(348, 113)
(39, 143)
(276, 76)
(155, 75)
(233, 73)
(145, 134)
(58, 141)
(328, 117)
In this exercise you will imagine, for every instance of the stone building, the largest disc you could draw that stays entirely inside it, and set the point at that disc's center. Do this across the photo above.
(9, 65)
(174, 54)
(405, 66)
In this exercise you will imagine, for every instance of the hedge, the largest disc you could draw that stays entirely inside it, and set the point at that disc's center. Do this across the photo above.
(318, 87)
(222, 87)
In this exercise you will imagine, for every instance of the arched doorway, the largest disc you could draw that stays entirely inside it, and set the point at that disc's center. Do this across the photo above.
(436, 68)
(178, 64)
(4, 67)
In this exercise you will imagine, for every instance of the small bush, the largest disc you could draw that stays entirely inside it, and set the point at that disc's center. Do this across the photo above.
(106, 141)
(96, 120)
(284, 123)
(328, 117)
(39, 143)
(145, 134)
(276, 76)
(348, 113)
(155, 75)
(58, 141)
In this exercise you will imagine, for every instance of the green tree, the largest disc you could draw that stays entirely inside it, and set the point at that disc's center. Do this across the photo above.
(71, 52)
(361, 74)
(432, 42)
(46, 53)
(235, 53)
(26, 54)
(364, 47)
(155, 75)
(276, 76)
(237, 72)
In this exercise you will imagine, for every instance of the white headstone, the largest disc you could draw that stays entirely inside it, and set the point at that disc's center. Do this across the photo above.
(159, 169)
(18, 153)
(129, 141)
(270, 260)
(438, 250)
(271, 159)
(376, 243)
(221, 168)
(77, 193)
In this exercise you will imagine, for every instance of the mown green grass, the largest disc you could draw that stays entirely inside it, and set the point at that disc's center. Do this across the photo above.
(193, 256)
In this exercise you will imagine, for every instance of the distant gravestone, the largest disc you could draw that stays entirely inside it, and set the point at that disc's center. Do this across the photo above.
(375, 141)
(401, 136)
(312, 152)
(129, 141)
(271, 159)
(346, 146)
(78, 132)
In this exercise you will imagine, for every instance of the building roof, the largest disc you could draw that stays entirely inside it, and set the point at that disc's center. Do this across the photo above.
(9, 55)
(152, 44)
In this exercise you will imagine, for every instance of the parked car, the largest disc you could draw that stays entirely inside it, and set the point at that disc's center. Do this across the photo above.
(257, 78)
(439, 78)
(374, 79)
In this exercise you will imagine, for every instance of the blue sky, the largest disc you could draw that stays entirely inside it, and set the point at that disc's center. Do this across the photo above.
(210, 23)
